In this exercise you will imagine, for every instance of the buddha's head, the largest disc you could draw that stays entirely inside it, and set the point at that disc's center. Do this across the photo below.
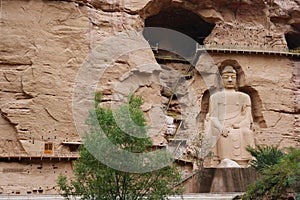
(229, 77)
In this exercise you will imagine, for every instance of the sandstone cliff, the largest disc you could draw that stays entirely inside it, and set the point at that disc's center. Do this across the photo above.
(44, 44)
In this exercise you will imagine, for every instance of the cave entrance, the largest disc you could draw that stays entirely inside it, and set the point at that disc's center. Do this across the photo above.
(178, 19)
(173, 34)
(293, 40)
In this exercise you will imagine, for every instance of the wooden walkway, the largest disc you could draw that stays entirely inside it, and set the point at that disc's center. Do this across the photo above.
(40, 155)
(247, 50)
(170, 58)
(225, 49)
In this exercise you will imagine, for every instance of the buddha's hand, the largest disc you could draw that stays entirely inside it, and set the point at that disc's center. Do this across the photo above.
(224, 132)
(235, 126)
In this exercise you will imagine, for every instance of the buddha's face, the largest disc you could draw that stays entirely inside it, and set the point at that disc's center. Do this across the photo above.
(229, 80)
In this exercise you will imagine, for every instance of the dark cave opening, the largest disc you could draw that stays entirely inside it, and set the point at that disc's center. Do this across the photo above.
(191, 27)
(293, 40)
(181, 20)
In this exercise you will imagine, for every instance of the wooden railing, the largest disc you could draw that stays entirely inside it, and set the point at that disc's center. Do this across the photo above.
(40, 154)
(247, 49)
(265, 50)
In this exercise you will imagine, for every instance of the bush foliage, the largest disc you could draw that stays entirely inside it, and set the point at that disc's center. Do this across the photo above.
(280, 174)
(265, 156)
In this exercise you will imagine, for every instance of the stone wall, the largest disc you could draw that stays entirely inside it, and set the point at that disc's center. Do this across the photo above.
(32, 177)
(220, 180)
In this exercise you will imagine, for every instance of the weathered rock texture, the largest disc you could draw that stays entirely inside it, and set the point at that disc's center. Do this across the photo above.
(43, 45)
(32, 177)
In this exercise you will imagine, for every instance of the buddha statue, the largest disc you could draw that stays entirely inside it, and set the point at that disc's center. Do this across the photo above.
(230, 121)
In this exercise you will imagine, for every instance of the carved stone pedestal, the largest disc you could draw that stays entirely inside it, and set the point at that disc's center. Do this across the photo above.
(218, 180)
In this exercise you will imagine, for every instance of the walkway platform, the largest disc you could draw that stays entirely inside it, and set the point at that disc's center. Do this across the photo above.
(227, 49)
(39, 155)
(203, 196)
(248, 50)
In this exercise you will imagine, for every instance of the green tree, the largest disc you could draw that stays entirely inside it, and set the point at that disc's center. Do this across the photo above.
(95, 180)
(279, 180)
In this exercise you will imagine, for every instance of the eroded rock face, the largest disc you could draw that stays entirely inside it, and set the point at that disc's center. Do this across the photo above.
(44, 44)
(34, 177)
(39, 61)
